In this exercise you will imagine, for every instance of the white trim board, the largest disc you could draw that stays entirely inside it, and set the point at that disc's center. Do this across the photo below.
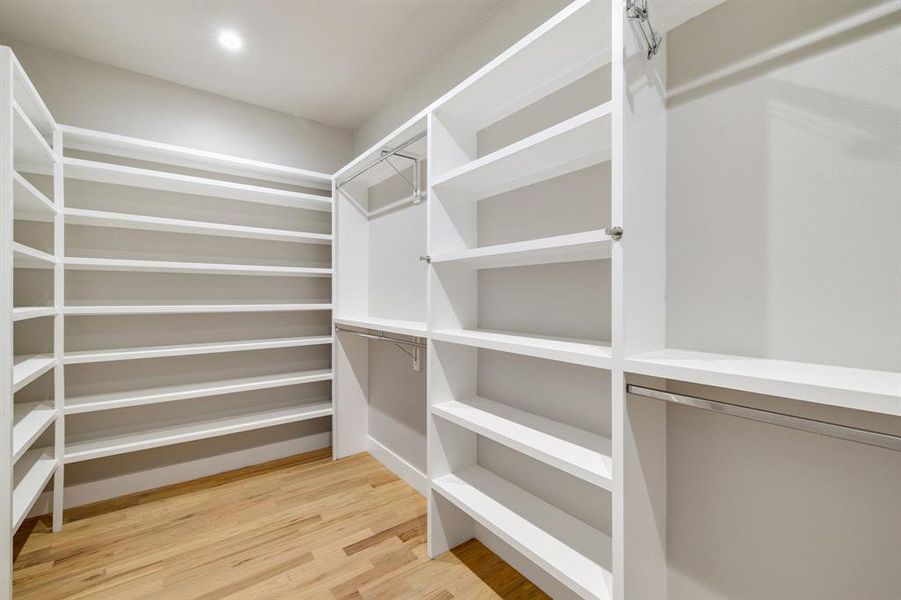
(397, 465)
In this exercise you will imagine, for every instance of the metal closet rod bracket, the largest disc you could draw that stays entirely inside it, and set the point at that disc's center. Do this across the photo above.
(381, 336)
(637, 10)
(385, 156)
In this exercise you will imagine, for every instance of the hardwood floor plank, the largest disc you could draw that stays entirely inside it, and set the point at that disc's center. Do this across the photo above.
(301, 528)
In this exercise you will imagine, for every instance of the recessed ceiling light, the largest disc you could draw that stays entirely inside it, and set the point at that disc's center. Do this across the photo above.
(230, 40)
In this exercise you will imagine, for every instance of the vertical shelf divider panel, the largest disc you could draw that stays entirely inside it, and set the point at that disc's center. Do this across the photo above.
(6, 322)
(59, 293)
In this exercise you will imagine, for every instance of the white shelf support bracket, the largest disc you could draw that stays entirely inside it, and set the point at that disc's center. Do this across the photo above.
(637, 10)
(614, 232)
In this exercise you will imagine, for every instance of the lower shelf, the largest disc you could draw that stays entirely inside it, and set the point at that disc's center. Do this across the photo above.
(859, 389)
(575, 451)
(30, 476)
(589, 353)
(188, 309)
(177, 433)
(23, 313)
(172, 393)
(28, 367)
(572, 551)
(30, 420)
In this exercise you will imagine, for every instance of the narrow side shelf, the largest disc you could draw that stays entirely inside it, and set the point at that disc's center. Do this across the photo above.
(96, 218)
(26, 257)
(29, 203)
(188, 309)
(30, 475)
(569, 549)
(31, 152)
(30, 420)
(859, 389)
(575, 451)
(28, 367)
(576, 143)
(24, 313)
(86, 170)
(398, 326)
(109, 355)
(158, 266)
(586, 245)
(177, 433)
(172, 393)
(576, 351)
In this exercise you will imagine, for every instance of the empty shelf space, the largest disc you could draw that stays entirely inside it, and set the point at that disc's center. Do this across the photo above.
(859, 389)
(30, 420)
(101, 142)
(155, 436)
(172, 393)
(28, 367)
(23, 313)
(30, 476)
(568, 46)
(572, 551)
(29, 203)
(586, 245)
(96, 356)
(158, 266)
(574, 144)
(31, 152)
(86, 170)
(96, 218)
(26, 257)
(188, 309)
(590, 353)
(575, 451)
(398, 326)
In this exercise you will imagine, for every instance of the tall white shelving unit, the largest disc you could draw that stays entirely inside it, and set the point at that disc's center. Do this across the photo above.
(547, 225)
(30, 310)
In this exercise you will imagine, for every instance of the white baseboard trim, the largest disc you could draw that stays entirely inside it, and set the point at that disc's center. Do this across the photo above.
(397, 465)
(122, 485)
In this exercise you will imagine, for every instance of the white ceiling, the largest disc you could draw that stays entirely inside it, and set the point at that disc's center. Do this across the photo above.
(334, 61)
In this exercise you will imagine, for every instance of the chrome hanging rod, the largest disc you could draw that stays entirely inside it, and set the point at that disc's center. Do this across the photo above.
(384, 155)
(380, 336)
(842, 432)
(637, 10)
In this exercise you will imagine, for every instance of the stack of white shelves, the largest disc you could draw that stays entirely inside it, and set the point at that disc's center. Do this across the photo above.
(28, 193)
(217, 178)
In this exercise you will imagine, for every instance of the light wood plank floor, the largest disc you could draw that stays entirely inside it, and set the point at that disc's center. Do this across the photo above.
(299, 528)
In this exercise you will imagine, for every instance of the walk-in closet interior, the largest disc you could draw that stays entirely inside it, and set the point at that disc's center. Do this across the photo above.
(510, 299)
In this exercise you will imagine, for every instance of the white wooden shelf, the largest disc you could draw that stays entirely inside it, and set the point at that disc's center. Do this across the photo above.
(96, 218)
(158, 266)
(31, 153)
(108, 355)
(86, 170)
(173, 393)
(565, 48)
(859, 389)
(23, 313)
(586, 245)
(177, 433)
(572, 551)
(28, 99)
(26, 257)
(30, 420)
(29, 203)
(574, 144)
(189, 309)
(398, 326)
(590, 353)
(28, 367)
(101, 142)
(30, 476)
(572, 450)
